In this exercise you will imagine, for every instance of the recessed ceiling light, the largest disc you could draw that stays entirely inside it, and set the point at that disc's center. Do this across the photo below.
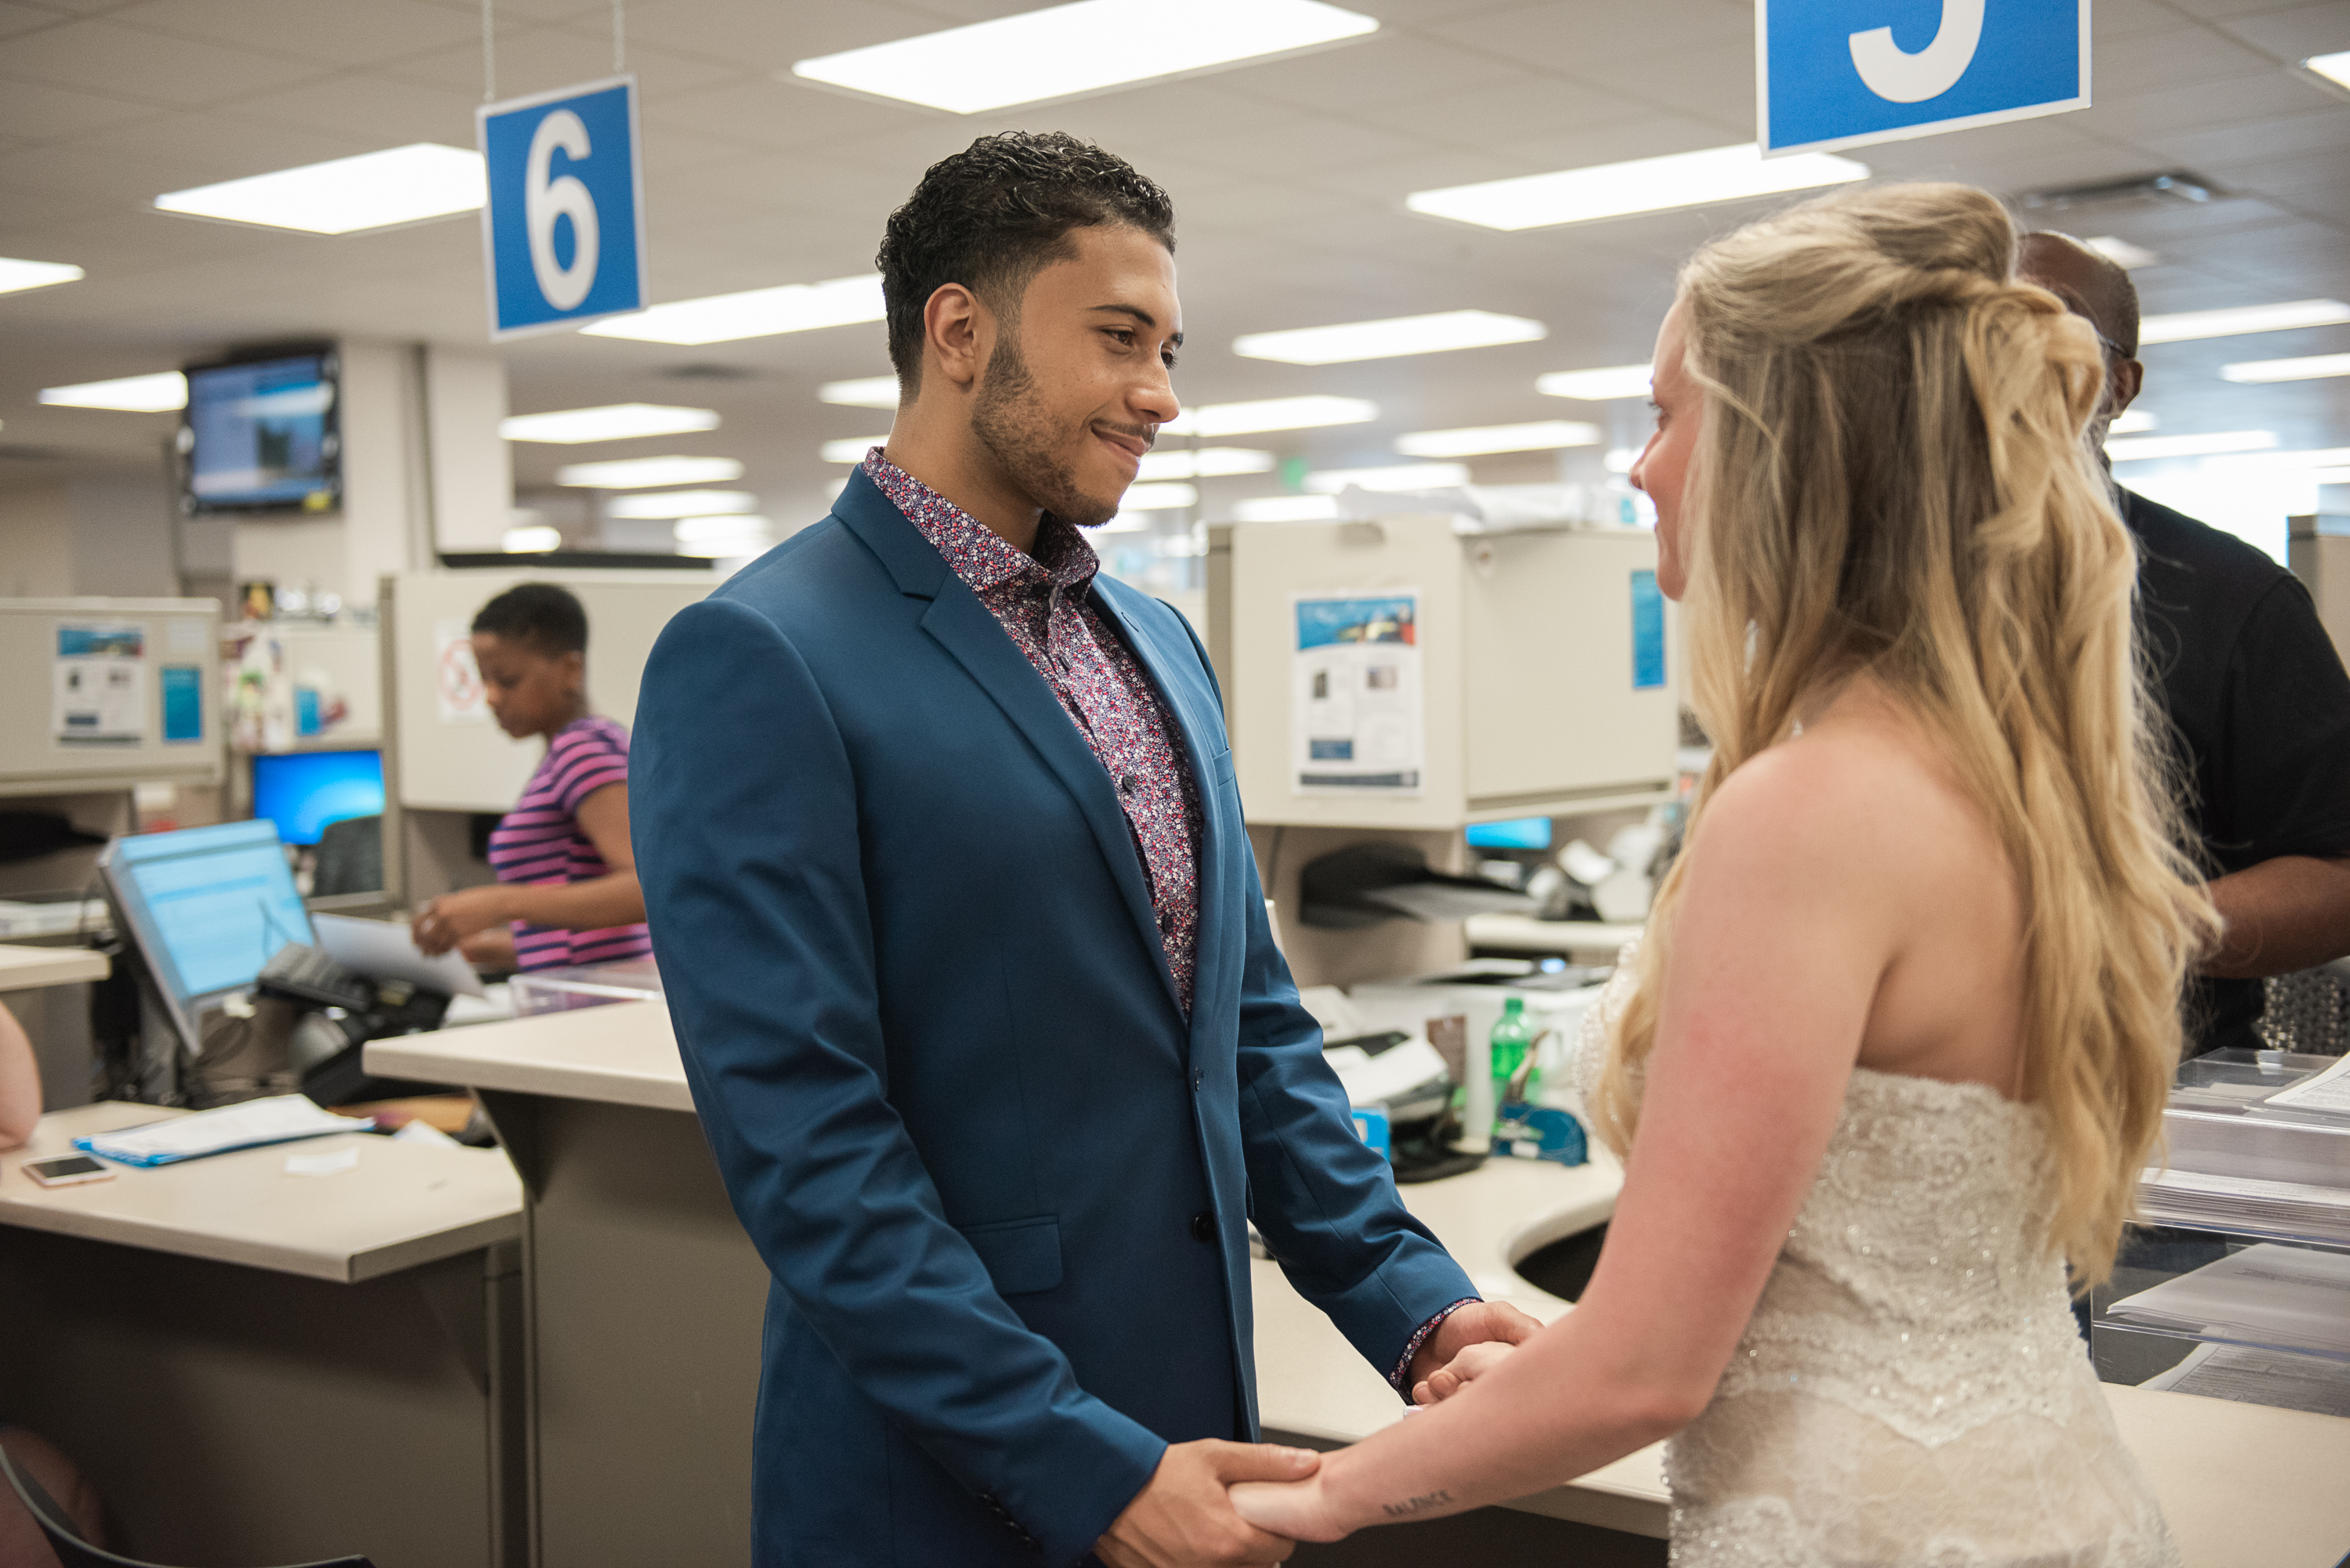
(614, 421)
(1207, 462)
(2132, 422)
(2294, 462)
(853, 449)
(1064, 51)
(867, 392)
(1395, 477)
(17, 276)
(1271, 414)
(533, 539)
(644, 472)
(1286, 509)
(1600, 386)
(680, 504)
(2334, 68)
(1160, 497)
(728, 530)
(2146, 448)
(1621, 459)
(1389, 339)
(133, 394)
(2316, 368)
(2121, 253)
(2185, 324)
(754, 313)
(1642, 185)
(346, 195)
(1543, 435)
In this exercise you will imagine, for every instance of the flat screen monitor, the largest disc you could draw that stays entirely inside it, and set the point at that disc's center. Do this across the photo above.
(262, 435)
(302, 791)
(1518, 833)
(207, 906)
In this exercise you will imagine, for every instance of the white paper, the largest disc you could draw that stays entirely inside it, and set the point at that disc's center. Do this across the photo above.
(276, 1119)
(456, 679)
(98, 684)
(2253, 1377)
(2326, 1091)
(327, 1164)
(1357, 716)
(2267, 1293)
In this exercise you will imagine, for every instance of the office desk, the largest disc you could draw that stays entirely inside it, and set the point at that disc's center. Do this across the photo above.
(1597, 941)
(254, 1366)
(24, 968)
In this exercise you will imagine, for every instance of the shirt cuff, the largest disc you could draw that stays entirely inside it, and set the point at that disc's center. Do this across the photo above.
(1396, 1379)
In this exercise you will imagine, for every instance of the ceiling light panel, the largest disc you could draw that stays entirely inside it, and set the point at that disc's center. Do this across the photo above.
(614, 421)
(2314, 368)
(16, 276)
(1065, 51)
(1216, 419)
(1600, 385)
(2186, 325)
(1389, 340)
(754, 313)
(1395, 477)
(346, 195)
(2133, 421)
(1286, 509)
(718, 530)
(680, 504)
(852, 450)
(867, 392)
(131, 394)
(2144, 449)
(1159, 497)
(2121, 253)
(646, 473)
(1641, 185)
(1544, 435)
(1207, 462)
(2334, 68)
(532, 539)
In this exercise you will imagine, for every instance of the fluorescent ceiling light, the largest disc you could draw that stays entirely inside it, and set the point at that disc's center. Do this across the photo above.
(1064, 51)
(1207, 462)
(17, 276)
(1163, 497)
(133, 394)
(2132, 421)
(1544, 435)
(644, 472)
(1395, 477)
(2190, 324)
(2146, 448)
(2316, 368)
(853, 449)
(1621, 459)
(346, 195)
(1286, 509)
(705, 530)
(533, 540)
(754, 313)
(1600, 386)
(680, 504)
(1122, 524)
(2294, 462)
(1642, 185)
(867, 392)
(2121, 253)
(614, 421)
(2334, 68)
(1389, 339)
(1271, 414)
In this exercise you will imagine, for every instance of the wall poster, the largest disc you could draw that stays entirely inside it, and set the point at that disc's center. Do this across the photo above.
(1358, 714)
(98, 684)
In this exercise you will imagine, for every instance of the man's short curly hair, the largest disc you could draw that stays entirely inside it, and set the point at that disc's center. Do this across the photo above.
(993, 215)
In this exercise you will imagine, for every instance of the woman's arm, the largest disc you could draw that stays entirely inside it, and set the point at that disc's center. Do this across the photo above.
(613, 900)
(1783, 930)
(20, 1083)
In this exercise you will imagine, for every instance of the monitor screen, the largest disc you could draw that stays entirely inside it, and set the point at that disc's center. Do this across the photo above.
(208, 905)
(1518, 833)
(302, 791)
(263, 434)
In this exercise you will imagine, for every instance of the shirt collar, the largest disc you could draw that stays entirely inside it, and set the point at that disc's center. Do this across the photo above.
(976, 553)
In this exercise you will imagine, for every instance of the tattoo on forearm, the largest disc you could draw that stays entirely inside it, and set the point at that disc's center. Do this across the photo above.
(1412, 1505)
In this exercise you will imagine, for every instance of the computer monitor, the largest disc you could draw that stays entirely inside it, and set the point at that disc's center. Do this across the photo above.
(208, 906)
(1518, 833)
(263, 434)
(302, 791)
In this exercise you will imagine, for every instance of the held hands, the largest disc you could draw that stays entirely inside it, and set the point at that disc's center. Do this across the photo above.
(1459, 1372)
(1491, 1328)
(1184, 1518)
(443, 922)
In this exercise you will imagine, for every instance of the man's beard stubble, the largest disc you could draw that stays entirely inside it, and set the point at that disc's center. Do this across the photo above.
(1020, 436)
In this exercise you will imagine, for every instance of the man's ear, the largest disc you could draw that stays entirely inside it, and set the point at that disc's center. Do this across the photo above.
(2123, 379)
(955, 327)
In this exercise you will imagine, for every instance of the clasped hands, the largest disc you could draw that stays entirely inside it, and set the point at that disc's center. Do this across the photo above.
(1214, 1504)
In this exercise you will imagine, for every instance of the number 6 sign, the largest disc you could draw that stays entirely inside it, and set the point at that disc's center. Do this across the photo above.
(564, 230)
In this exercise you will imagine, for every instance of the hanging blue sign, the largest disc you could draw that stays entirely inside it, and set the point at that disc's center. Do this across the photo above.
(563, 234)
(1839, 73)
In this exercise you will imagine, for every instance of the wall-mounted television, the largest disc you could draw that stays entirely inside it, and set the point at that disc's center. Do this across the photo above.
(262, 433)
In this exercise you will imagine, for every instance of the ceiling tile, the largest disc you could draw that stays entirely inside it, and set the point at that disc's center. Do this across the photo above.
(1384, 69)
(359, 34)
(122, 62)
(762, 34)
(1302, 145)
(542, 59)
(371, 109)
(38, 112)
(2263, 95)
(221, 146)
(2176, 59)
(760, 109)
(1578, 35)
(2295, 32)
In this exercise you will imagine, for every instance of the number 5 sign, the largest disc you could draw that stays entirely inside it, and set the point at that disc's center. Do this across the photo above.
(564, 229)
(1844, 73)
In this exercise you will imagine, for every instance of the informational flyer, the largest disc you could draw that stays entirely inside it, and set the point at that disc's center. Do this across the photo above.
(1358, 715)
(98, 683)
(457, 680)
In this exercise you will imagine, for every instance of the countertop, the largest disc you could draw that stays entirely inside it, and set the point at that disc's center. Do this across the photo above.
(622, 1053)
(24, 968)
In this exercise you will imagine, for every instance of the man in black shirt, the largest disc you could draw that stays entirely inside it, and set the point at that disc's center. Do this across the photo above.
(2257, 694)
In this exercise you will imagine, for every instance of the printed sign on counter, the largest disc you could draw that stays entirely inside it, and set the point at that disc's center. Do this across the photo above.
(563, 232)
(183, 703)
(98, 684)
(456, 679)
(1647, 632)
(1357, 721)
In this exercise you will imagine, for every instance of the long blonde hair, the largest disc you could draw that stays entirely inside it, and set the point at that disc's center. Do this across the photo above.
(1891, 476)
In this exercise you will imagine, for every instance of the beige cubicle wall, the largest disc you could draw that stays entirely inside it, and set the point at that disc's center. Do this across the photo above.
(152, 646)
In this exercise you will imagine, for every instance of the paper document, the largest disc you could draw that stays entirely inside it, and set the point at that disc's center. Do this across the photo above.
(2251, 1376)
(383, 949)
(2288, 1297)
(2326, 1091)
(2200, 1201)
(281, 1118)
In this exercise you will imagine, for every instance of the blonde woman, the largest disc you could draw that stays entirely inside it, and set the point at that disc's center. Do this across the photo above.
(1896, 1045)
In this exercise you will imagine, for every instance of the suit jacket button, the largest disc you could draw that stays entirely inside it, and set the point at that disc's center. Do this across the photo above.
(1203, 1226)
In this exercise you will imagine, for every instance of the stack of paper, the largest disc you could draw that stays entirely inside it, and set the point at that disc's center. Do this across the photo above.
(2327, 1092)
(2287, 1298)
(2259, 1377)
(2198, 1201)
(278, 1119)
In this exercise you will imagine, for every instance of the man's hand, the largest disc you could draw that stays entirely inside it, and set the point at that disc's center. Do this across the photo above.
(1459, 1372)
(1184, 1518)
(1479, 1323)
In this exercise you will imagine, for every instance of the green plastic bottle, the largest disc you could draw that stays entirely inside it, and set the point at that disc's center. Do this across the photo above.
(1516, 1074)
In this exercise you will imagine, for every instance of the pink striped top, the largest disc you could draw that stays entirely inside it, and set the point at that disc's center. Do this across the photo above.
(539, 844)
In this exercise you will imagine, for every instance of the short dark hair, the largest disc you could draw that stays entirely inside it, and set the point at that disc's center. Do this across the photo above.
(2108, 298)
(542, 615)
(993, 215)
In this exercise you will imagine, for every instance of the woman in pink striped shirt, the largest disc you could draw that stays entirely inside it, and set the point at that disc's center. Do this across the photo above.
(567, 890)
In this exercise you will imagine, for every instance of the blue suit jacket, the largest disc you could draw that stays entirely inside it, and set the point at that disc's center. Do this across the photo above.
(1003, 1185)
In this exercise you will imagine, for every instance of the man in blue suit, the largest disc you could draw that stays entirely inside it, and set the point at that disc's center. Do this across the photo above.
(964, 944)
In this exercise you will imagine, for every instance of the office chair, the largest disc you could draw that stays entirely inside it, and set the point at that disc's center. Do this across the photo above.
(73, 1552)
(350, 857)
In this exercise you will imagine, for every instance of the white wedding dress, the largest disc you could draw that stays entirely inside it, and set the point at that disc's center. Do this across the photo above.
(1912, 1391)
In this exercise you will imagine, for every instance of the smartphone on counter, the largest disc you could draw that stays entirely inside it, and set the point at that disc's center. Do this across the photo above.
(71, 1171)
